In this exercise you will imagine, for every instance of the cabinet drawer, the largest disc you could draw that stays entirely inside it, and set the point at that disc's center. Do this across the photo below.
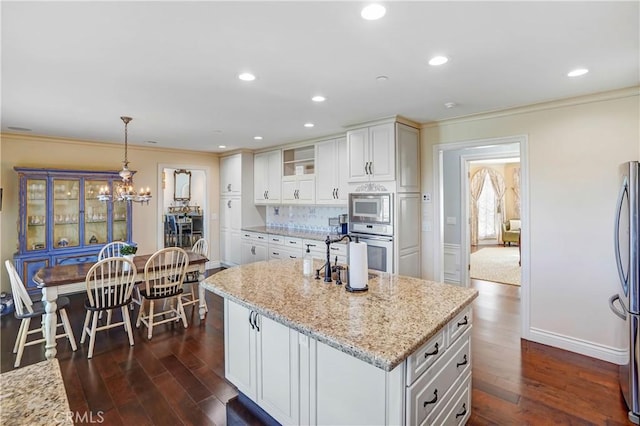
(424, 357)
(427, 396)
(254, 236)
(459, 325)
(276, 239)
(458, 410)
(293, 243)
(338, 250)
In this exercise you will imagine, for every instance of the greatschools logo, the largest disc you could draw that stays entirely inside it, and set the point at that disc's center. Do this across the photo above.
(74, 417)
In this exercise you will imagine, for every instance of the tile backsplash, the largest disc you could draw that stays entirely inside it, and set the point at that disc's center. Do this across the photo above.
(304, 218)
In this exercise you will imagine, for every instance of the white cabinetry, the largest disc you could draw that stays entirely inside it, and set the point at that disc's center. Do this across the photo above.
(298, 189)
(300, 380)
(254, 247)
(332, 172)
(408, 237)
(371, 153)
(267, 177)
(385, 152)
(231, 175)
(237, 208)
(298, 175)
(261, 359)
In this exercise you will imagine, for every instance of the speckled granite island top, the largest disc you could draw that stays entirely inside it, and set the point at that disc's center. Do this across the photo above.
(34, 395)
(381, 326)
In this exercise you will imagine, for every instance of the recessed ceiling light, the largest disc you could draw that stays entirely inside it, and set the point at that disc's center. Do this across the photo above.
(20, 129)
(222, 146)
(382, 78)
(373, 11)
(577, 72)
(318, 98)
(308, 124)
(246, 76)
(450, 104)
(438, 60)
(258, 138)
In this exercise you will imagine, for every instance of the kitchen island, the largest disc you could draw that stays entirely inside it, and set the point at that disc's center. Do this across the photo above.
(309, 352)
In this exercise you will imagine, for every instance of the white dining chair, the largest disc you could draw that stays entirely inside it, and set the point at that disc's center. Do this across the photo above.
(26, 309)
(111, 250)
(109, 286)
(163, 275)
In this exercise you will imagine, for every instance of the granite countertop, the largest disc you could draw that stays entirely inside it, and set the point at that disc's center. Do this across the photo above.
(34, 395)
(293, 233)
(381, 326)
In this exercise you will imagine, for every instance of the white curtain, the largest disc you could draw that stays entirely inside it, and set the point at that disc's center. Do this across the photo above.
(476, 184)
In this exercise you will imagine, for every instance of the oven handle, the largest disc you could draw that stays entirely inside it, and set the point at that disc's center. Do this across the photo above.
(372, 237)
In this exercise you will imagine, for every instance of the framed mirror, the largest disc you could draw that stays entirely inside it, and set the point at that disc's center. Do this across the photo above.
(181, 185)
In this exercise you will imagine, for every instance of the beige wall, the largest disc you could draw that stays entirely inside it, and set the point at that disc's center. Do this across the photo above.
(25, 151)
(574, 148)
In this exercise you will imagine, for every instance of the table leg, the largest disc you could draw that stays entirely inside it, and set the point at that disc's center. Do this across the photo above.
(50, 296)
(201, 293)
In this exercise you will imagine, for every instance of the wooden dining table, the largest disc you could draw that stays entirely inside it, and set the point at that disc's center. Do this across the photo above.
(60, 280)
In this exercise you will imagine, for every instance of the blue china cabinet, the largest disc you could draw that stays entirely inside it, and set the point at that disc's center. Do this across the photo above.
(62, 221)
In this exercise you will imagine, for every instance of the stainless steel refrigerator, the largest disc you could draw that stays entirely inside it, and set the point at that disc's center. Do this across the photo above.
(626, 304)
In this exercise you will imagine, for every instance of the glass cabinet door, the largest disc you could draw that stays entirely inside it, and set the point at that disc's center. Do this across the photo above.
(66, 213)
(36, 221)
(95, 213)
(120, 221)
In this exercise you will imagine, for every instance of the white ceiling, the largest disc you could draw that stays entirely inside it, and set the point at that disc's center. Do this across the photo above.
(71, 69)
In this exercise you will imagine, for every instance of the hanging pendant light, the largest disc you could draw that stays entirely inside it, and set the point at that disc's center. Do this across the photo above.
(124, 191)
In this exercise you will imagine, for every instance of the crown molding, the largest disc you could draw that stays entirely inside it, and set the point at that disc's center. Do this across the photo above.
(561, 103)
(117, 145)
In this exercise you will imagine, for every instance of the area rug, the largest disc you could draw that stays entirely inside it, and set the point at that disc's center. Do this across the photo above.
(497, 264)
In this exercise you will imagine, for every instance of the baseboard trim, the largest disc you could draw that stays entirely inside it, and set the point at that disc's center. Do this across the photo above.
(583, 347)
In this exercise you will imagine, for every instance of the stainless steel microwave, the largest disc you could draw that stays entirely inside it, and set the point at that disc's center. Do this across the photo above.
(371, 213)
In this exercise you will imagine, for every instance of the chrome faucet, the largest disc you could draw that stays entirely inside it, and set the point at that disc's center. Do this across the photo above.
(327, 265)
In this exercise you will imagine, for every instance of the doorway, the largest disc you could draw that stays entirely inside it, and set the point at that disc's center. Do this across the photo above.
(452, 218)
(197, 204)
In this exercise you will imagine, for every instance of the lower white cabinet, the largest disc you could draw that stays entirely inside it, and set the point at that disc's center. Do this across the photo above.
(261, 359)
(254, 247)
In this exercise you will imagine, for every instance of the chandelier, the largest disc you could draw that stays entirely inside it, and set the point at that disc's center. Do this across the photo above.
(124, 191)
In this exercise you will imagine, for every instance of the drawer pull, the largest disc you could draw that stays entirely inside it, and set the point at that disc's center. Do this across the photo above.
(426, 354)
(464, 411)
(465, 321)
(463, 362)
(433, 401)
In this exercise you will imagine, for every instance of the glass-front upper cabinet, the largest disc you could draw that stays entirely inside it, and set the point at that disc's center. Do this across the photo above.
(66, 212)
(96, 214)
(36, 211)
(61, 220)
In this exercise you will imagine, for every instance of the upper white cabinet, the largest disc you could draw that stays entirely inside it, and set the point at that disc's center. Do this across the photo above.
(332, 172)
(267, 173)
(385, 152)
(298, 175)
(231, 175)
(371, 153)
(407, 158)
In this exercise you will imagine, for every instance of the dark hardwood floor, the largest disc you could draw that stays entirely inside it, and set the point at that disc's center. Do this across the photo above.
(178, 376)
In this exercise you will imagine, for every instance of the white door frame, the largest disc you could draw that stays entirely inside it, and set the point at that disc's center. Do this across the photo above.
(205, 203)
(438, 153)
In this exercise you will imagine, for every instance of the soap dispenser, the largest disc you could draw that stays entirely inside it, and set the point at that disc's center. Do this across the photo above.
(307, 263)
